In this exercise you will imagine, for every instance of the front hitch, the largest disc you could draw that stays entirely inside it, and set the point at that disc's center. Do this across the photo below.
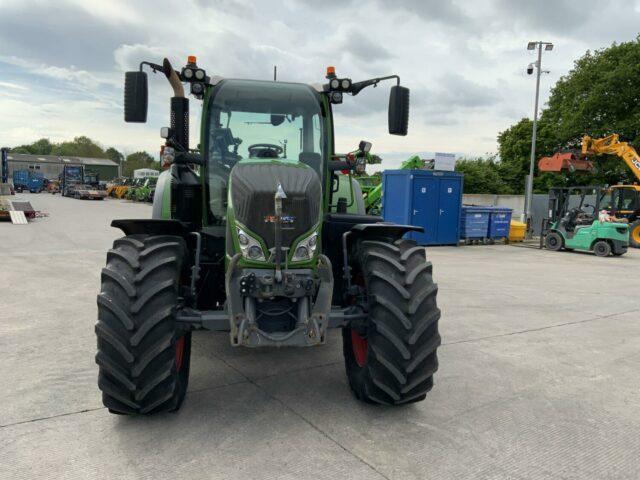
(245, 287)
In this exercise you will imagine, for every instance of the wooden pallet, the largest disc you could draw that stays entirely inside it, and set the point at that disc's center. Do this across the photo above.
(18, 217)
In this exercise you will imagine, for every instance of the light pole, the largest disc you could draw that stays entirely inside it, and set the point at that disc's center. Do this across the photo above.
(538, 66)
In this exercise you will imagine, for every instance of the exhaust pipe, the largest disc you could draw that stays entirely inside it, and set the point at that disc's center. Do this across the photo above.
(174, 80)
(179, 106)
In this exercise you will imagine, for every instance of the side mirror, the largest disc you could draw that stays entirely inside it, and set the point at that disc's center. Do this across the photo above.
(277, 120)
(364, 146)
(135, 97)
(398, 110)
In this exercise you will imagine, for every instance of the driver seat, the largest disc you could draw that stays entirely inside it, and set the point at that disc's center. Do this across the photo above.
(312, 159)
(568, 222)
(222, 139)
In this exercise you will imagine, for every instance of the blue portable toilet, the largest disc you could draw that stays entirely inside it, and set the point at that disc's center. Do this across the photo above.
(426, 198)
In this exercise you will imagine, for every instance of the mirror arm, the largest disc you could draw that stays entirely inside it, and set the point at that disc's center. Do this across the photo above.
(186, 158)
(154, 67)
(336, 165)
(358, 86)
(170, 73)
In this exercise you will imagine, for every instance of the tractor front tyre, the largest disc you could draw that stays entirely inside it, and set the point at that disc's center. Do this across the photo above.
(602, 248)
(143, 358)
(634, 234)
(553, 241)
(392, 358)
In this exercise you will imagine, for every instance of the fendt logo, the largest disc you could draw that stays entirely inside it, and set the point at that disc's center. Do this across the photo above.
(286, 219)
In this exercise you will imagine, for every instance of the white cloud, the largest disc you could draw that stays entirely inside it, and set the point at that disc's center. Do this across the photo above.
(464, 61)
(13, 86)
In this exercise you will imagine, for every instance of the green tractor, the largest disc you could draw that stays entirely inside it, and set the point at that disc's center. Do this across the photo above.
(145, 191)
(260, 233)
(574, 227)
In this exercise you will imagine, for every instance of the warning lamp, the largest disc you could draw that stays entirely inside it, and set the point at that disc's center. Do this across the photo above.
(191, 59)
(331, 72)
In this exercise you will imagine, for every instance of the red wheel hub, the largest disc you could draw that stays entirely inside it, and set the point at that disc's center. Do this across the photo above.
(360, 348)
(179, 353)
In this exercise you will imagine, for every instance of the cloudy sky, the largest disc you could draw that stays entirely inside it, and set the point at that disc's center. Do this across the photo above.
(62, 61)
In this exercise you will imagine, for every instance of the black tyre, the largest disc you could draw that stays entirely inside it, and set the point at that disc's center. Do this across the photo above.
(143, 358)
(602, 248)
(391, 360)
(634, 234)
(553, 241)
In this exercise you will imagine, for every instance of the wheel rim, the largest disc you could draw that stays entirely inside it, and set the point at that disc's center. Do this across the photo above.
(635, 234)
(553, 241)
(360, 347)
(179, 353)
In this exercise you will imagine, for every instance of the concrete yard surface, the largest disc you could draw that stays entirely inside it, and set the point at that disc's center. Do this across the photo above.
(539, 375)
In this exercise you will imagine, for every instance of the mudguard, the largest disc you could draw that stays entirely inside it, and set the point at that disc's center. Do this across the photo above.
(383, 229)
(153, 227)
(162, 197)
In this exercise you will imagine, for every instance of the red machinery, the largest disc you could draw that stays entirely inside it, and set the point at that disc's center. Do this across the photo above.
(565, 161)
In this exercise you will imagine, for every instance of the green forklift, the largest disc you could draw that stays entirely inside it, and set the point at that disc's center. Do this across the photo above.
(576, 225)
(261, 232)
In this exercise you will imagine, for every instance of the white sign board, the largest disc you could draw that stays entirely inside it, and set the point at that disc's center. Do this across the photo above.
(445, 161)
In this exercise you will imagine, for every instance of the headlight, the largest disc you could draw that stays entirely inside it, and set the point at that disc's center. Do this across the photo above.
(249, 246)
(306, 248)
(197, 88)
(188, 73)
(199, 74)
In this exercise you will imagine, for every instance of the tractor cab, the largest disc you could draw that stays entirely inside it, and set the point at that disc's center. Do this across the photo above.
(274, 126)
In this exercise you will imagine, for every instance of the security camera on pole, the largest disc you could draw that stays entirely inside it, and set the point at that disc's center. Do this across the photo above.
(538, 66)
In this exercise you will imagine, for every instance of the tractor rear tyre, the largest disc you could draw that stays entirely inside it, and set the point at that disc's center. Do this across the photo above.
(391, 360)
(553, 241)
(602, 248)
(634, 234)
(143, 358)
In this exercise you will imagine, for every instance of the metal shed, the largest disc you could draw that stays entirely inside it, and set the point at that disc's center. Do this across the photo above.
(51, 165)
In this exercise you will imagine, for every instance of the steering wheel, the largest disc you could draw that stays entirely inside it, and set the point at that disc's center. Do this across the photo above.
(265, 150)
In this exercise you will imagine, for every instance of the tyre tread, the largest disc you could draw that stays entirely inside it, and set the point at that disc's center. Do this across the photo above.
(136, 330)
(403, 324)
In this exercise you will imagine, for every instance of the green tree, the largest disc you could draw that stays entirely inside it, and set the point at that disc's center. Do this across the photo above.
(599, 96)
(138, 160)
(113, 154)
(481, 175)
(79, 147)
(39, 147)
(514, 148)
